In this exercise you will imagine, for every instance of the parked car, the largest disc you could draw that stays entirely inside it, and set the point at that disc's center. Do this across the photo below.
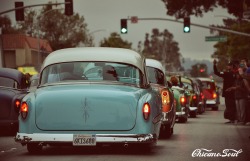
(210, 92)
(181, 101)
(157, 78)
(13, 87)
(187, 83)
(116, 107)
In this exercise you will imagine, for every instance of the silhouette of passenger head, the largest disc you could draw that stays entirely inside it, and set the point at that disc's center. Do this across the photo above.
(109, 73)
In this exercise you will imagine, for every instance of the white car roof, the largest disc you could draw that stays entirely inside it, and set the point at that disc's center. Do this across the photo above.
(119, 55)
(155, 64)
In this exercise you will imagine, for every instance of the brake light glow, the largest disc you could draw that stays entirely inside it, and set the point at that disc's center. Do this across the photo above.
(165, 101)
(194, 97)
(146, 111)
(17, 103)
(183, 100)
(24, 110)
(214, 95)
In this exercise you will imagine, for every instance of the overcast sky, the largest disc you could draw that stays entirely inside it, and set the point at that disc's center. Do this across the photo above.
(103, 17)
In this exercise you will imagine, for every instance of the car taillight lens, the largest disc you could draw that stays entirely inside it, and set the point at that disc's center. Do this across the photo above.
(202, 96)
(17, 105)
(24, 110)
(194, 97)
(146, 111)
(165, 101)
(183, 100)
(214, 95)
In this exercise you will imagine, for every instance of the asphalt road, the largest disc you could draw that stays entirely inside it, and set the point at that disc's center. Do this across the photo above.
(206, 137)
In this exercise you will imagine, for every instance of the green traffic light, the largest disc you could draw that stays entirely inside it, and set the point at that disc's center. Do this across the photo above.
(124, 27)
(124, 31)
(186, 29)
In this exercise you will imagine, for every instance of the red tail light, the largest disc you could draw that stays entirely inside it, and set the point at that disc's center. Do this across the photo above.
(194, 97)
(17, 105)
(183, 100)
(202, 95)
(24, 110)
(146, 111)
(165, 101)
(214, 95)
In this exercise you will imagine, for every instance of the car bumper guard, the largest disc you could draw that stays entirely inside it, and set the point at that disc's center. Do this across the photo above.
(100, 138)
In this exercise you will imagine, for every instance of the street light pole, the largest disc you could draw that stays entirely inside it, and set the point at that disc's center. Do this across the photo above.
(38, 35)
(95, 31)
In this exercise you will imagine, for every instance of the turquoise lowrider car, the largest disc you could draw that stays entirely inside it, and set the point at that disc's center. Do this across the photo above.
(89, 97)
(157, 78)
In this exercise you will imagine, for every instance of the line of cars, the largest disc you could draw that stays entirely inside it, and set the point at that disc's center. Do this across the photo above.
(99, 96)
(195, 95)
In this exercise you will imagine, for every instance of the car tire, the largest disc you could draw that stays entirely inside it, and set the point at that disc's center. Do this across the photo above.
(192, 114)
(166, 132)
(215, 108)
(182, 119)
(34, 148)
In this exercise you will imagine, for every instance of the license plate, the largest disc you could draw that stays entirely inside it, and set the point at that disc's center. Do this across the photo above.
(84, 140)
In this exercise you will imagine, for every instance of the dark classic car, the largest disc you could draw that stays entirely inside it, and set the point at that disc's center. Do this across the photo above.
(13, 87)
(200, 98)
(91, 96)
(188, 84)
(157, 78)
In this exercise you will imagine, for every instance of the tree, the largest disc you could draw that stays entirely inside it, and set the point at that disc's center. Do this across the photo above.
(115, 40)
(236, 47)
(182, 8)
(161, 46)
(6, 25)
(60, 30)
(199, 70)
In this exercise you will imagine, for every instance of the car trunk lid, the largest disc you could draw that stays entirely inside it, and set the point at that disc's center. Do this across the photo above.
(86, 107)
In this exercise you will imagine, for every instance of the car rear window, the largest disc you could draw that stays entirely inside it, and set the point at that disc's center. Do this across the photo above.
(208, 85)
(155, 76)
(92, 72)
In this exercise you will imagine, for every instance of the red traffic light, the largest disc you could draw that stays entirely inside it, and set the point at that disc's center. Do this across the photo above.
(19, 12)
(202, 70)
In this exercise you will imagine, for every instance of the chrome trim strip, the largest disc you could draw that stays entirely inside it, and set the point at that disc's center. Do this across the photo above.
(211, 101)
(180, 113)
(193, 108)
(100, 138)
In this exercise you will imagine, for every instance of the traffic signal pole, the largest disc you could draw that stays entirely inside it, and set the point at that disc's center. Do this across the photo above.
(198, 25)
(36, 5)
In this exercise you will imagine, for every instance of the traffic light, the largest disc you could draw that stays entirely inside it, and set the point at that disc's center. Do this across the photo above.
(202, 70)
(69, 7)
(19, 12)
(186, 23)
(124, 28)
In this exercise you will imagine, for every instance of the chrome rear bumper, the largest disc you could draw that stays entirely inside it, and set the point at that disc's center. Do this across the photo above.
(100, 138)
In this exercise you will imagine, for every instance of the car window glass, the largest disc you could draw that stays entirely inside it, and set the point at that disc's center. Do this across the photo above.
(155, 76)
(7, 82)
(91, 71)
(189, 86)
(208, 85)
